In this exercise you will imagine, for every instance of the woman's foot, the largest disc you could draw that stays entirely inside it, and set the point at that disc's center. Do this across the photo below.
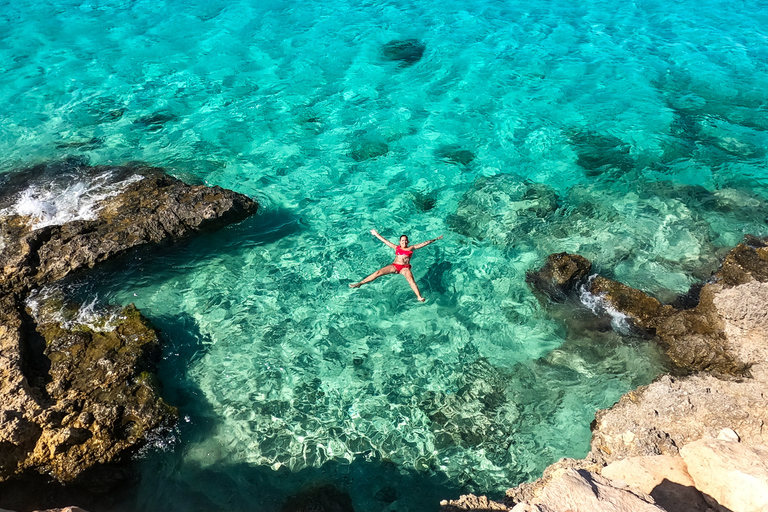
(421, 299)
(354, 285)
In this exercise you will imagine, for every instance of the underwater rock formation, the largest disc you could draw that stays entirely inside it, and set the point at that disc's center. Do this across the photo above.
(504, 209)
(405, 51)
(74, 395)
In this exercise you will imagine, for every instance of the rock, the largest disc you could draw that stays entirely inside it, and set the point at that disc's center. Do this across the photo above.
(471, 502)
(504, 209)
(405, 51)
(530, 491)
(672, 412)
(153, 209)
(455, 154)
(664, 477)
(74, 396)
(598, 153)
(728, 435)
(582, 491)
(368, 149)
(560, 275)
(731, 476)
(723, 333)
(94, 397)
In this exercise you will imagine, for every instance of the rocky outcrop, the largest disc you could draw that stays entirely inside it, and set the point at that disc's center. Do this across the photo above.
(77, 394)
(731, 476)
(153, 209)
(660, 440)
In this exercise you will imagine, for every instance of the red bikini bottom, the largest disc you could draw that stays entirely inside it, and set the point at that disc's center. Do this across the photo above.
(398, 268)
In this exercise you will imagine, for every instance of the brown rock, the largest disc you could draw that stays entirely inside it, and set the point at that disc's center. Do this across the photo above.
(664, 477)
(72, 397)
(560, 275)
(732, 476)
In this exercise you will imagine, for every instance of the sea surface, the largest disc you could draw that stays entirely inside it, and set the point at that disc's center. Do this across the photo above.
(633, 133)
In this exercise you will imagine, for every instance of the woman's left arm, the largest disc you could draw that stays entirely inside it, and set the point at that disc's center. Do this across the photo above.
(424, 244)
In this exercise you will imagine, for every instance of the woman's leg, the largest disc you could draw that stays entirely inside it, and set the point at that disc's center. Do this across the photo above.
(408, 275)
(389, 269)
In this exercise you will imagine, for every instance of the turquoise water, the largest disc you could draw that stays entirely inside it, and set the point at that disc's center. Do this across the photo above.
(632, 133)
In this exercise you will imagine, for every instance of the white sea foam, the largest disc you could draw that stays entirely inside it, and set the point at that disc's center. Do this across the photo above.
(48, 306)
(599, 306)
(56, 203)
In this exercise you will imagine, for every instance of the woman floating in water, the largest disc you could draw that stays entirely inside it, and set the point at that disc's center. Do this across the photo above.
(402, 264)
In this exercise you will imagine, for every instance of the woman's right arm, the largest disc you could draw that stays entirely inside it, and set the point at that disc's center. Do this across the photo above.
(377, 235)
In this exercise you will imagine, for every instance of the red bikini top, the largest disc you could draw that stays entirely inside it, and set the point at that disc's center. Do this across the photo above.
(400, 250)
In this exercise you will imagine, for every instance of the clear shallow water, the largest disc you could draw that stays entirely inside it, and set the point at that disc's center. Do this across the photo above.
(632, 134)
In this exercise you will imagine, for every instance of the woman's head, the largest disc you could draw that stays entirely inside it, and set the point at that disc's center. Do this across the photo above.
(403, 241)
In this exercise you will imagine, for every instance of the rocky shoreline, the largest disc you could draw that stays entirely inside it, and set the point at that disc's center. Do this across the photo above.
(78, 395)
(694, 442)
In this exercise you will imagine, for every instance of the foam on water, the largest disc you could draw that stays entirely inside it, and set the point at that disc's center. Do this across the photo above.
(632, 133)
(60, 201)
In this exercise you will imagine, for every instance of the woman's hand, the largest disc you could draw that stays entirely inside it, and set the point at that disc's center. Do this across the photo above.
(439, 238)
(374, 232)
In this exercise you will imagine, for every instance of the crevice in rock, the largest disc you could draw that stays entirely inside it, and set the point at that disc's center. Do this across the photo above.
(35, 365)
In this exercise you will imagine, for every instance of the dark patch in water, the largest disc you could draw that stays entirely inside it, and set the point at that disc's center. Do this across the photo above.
(598, 153)
(154, 122)
(83, 145)
(367, 149)
(455, 154)
(405, 51)
(424, 201)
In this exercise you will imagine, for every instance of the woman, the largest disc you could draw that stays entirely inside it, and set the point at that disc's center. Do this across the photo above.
(402, 263)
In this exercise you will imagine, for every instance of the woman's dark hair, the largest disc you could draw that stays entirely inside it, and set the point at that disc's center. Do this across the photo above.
(401, 236)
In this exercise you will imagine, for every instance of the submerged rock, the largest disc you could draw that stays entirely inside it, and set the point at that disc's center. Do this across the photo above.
(405, 51)
(504, 209)
(560, 275)
(362, 150)
(455, 154)
(598, 153)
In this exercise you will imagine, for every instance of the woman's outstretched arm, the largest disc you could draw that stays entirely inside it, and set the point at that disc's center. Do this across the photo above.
(424, 244)
(377, 235)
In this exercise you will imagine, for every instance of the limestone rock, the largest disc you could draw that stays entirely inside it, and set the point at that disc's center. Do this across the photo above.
(730, 475)
(582, 491)
(76, 396)
(664, 477)
(90, 397)
(660, 418)
(471, 502)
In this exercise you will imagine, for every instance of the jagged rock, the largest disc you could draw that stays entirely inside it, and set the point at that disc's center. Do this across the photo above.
(91, 397)
(406, 51)
(471, 502)
(731, 476)
(73, 396)
(529, 491)
(664, 477)
(582, 491)
(153, 209)
(560, 275)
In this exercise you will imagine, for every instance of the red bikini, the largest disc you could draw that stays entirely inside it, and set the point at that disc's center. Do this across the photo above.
(399, 250)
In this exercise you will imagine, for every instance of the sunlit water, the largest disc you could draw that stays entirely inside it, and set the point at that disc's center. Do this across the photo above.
(631, 133)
